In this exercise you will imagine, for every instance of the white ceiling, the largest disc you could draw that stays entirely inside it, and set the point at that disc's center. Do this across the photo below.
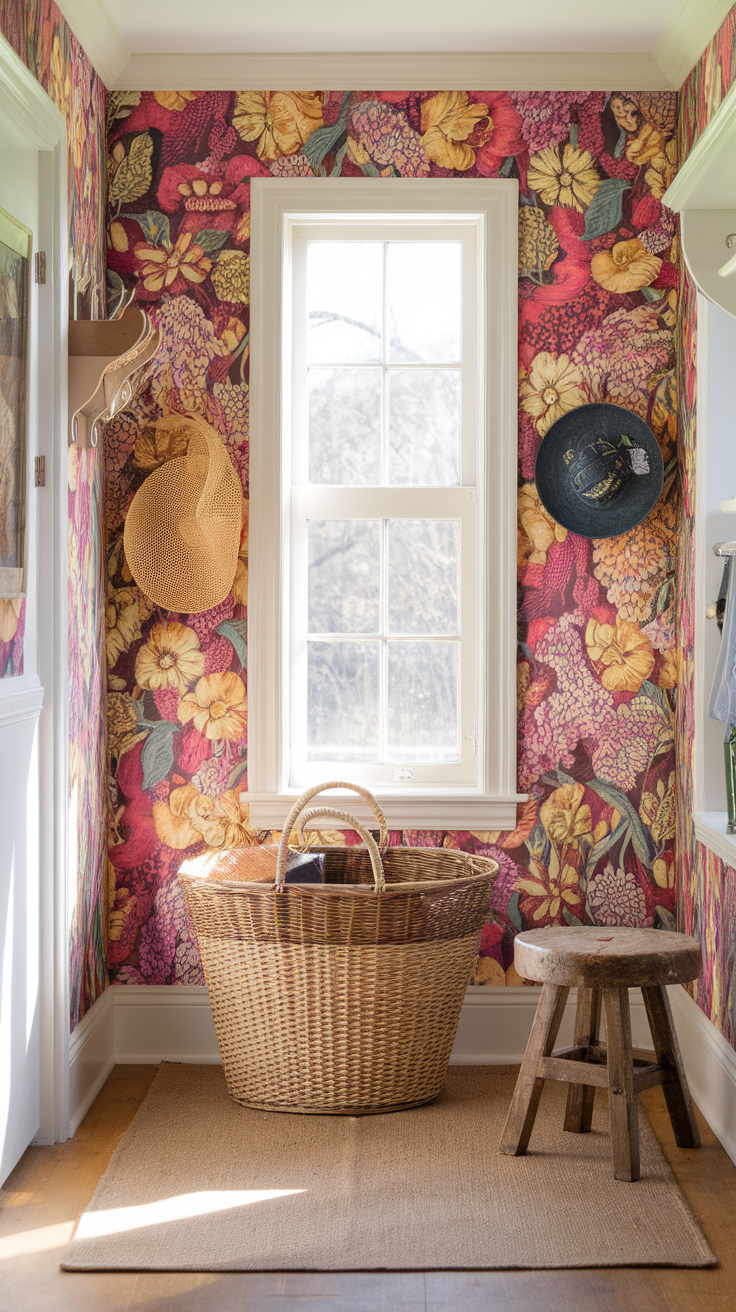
(249, 26)
(493, 44)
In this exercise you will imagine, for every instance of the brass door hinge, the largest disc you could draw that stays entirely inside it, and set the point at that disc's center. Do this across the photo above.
(39, 478)
(40, 266)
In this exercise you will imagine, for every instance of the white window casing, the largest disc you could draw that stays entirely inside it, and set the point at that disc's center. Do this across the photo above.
(477, 790)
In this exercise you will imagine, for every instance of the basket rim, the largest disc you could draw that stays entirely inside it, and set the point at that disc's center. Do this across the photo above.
(396, 889)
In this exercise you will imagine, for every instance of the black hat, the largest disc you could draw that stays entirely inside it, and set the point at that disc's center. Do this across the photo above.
(599, 470)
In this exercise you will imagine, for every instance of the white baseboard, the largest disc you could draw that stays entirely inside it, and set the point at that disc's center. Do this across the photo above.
(147, 1024)
(91, 1057)
(710, 1062)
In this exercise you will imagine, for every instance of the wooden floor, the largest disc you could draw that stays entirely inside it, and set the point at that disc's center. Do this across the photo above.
(50, 1187)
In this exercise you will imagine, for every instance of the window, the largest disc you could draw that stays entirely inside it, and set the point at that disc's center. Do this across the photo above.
(383, 450)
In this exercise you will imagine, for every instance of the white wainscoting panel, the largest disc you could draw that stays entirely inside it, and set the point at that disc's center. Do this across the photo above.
(710, 1062)
(91, 1057)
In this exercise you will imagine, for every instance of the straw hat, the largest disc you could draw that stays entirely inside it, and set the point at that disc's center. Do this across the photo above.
(599, 470)
(182, 533)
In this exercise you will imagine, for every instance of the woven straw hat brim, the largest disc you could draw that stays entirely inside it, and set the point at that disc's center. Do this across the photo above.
(575, 430)
(182, 532)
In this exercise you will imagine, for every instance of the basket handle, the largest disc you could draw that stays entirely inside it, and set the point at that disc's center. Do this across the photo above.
(379, 882)
(301, 803)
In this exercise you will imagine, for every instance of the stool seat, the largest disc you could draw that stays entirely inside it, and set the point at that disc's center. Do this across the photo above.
(606, 958)
(604, 963)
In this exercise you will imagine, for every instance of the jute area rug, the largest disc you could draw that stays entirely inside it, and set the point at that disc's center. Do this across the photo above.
(199, 1183)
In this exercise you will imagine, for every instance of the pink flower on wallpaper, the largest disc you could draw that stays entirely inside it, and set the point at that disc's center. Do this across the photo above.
(546, 115)
(388, 140)
(217, 199)
(631, 739)
(619, 358)
(579, 708)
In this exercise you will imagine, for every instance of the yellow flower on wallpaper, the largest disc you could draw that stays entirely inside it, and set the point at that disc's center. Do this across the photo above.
(240, 582)
(554, 387)
(155, 446)
(622, 653)
(177, 100)
(571, 181)
(669, 675)
(448, 119)
(537, 528)
(217, 706)
(565, 816)
(174, 819)
(227, 824)
(9, 616)
(170, 659)
(626, 267)
(231, 277)
(647, 143)
(279, 121)
(657, 810)
(164, 267)
(546, 891)
(122, 622)
(662, 169)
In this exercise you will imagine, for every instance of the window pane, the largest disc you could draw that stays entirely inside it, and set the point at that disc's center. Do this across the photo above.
(344, 575)
(424, 291)
(423, 701)
(344, 295)
(423, 575)
(424, 426)
(342, 701)
(345, 426)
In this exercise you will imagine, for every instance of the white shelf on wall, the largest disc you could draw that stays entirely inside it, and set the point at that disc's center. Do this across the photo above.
(710, 829)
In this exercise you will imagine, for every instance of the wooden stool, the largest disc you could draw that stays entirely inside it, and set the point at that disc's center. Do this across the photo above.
(604, 964)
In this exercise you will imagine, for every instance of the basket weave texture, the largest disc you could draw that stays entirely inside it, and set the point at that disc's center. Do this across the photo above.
(344, 996)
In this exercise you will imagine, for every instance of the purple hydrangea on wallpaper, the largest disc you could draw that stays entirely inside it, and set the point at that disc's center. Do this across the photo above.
(597, 669)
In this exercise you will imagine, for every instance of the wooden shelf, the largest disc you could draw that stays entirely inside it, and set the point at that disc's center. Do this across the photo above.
(105, 337)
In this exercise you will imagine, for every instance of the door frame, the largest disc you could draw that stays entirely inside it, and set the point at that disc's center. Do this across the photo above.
(44, 695)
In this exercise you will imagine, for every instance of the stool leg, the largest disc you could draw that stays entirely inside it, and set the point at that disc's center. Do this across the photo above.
(624, 1103)
(676, 1091)
(520, 1120)
(579, 1109)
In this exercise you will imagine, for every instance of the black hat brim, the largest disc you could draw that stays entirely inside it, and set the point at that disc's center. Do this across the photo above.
(575, 430)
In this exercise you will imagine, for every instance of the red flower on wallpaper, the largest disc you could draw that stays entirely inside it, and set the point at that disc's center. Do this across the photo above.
(211, 199)
(498, 135)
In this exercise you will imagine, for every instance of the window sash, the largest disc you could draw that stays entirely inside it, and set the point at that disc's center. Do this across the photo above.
(459, 504)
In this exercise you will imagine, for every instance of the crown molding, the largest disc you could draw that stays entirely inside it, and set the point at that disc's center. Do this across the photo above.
(381, 72)
(99, 37)
(686, 36)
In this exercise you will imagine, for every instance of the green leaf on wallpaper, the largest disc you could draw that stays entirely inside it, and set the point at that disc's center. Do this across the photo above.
(210, 239)
(640, 837)
(513, 912)
(157, 756)
(369, 169)
(155, 225)
(574, 135)
(236, 632)
(657, 695)
(664, 919)
(320, 142)
(620, 146)
(569, 917)
(604, 845)
(339, 157)
(606, 207)
(236, 774)
(652, 293)
(132, 178)
(506, 167)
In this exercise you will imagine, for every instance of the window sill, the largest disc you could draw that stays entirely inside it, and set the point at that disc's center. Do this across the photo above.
(403, 810)
(710, 830)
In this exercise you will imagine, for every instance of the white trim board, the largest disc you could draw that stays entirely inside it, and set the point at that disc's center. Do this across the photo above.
(665, 68)
(147, 1024)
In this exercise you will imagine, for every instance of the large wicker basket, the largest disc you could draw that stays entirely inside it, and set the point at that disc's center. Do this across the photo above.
(343, 996)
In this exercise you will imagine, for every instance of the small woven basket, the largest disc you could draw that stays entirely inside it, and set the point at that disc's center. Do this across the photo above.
(344, 996)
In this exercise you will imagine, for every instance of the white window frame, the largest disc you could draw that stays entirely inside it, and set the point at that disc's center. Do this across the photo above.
(278, 206)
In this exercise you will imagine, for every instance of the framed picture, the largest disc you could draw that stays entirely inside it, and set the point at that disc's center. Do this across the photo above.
(15, 256)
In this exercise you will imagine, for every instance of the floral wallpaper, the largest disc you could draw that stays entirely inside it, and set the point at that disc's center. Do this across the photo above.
(40, 36)
(597, 658)
(706, 888)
